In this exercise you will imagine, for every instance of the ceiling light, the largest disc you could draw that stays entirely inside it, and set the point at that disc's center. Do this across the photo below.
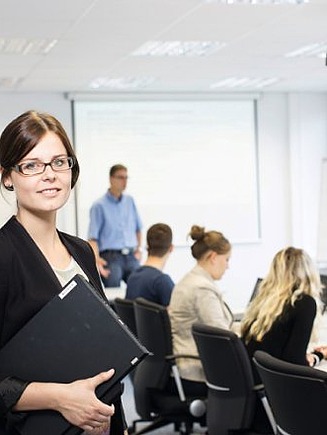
(121, 82)
(259, 2)
(178, 48)
(26, 46)
(244, 82)
(317, 49)
(10, 82)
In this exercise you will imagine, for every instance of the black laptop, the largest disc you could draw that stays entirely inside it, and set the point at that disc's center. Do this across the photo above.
(239, 316)
(75, 336)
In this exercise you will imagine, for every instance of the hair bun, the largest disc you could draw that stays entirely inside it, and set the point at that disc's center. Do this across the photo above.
(197, 233)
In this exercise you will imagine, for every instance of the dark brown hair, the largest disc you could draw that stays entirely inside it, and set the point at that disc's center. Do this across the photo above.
(116, 168)
(159, 238)
(23, 133)
(206, 241)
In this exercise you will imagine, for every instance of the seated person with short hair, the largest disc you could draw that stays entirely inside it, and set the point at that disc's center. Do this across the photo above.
(149, 281)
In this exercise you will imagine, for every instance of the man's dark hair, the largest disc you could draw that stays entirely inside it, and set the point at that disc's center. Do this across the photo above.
(159, 239)
(116, 168)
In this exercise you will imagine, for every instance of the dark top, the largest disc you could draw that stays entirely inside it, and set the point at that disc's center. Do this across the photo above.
(27, 283)
(150, 283)
(289, 336)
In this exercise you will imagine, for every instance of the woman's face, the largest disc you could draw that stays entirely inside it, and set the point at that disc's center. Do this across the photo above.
(44, 192)
(220, 263)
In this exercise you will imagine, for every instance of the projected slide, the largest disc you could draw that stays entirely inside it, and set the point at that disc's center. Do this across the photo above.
(189, 162)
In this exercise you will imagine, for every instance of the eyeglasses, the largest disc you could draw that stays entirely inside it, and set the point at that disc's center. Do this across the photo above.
(121, 177)
(34, 167)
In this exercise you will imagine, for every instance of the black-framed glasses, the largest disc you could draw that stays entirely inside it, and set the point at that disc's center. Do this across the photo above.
(34, 167)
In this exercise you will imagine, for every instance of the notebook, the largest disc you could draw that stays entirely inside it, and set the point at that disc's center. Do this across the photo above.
(75, 336)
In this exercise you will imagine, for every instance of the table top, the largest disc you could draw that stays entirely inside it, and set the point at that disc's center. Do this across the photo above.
(114, 292)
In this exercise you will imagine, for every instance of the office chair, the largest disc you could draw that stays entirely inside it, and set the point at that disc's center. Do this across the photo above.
(158, 392)
(125, 310)
(232, 394)
(297, 395)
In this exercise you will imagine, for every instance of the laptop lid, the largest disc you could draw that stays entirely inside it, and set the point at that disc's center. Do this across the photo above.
(239, 316)
(76, 335)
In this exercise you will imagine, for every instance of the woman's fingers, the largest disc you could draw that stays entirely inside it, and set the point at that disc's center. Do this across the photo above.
(96, 428)
(102, 377)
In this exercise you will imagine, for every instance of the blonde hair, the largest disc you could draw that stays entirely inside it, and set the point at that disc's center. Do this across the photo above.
(292, 274)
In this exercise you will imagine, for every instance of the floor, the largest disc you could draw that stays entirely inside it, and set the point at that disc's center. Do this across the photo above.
(131, 414)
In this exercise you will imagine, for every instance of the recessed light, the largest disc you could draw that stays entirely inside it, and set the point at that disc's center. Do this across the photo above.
(121, 82)
(258, 2)
(317, 49)
(178, 48)
(244, 82)
(10, 82)
(26, 46)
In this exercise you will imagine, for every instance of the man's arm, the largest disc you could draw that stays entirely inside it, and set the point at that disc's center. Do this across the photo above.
(138, 250)
(101, 262)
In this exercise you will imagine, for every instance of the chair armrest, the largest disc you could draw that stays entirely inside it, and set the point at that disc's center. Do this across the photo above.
(260, 390)
(181, 355)
(178, 382)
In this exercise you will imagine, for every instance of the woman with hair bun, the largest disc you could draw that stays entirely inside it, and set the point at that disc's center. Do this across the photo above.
(196, 298)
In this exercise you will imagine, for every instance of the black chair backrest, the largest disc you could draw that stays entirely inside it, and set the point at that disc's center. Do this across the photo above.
(227, 367)
(125, 310)
(154, 332)
(222, 348)
(297, 395)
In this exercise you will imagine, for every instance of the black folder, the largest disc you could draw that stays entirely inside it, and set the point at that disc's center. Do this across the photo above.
(75, 336)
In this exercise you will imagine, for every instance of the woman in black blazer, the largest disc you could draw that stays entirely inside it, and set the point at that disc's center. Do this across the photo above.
(39, 165)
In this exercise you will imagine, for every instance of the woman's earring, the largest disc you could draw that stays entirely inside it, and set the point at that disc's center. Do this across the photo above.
(9, 187)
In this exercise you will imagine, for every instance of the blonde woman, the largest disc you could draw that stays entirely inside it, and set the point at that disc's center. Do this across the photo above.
(196, 298)
(280, 318)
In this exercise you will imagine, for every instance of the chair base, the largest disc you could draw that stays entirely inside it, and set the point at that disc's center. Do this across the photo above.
(246, 432)
(183, 428)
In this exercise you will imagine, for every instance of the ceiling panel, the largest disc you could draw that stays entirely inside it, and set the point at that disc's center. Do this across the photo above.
(96, 38)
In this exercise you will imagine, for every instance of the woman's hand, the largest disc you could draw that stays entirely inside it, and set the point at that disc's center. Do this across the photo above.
(79, 405)
(311, 359)
(323, 350)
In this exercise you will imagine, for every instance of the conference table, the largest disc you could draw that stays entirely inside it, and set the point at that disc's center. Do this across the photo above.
(114, 292)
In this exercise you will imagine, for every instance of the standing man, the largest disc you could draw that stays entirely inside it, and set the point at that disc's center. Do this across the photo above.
(149, 281)
(115, 230)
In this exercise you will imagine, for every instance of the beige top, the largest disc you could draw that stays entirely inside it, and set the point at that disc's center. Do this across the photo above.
(195, 299)
(65, 275)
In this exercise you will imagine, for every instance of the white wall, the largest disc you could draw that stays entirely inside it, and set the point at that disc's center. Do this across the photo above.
(292, 142)
(308, 145)
(250, 261)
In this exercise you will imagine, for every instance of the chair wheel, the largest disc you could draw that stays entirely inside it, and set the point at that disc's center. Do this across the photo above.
(185, 429)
